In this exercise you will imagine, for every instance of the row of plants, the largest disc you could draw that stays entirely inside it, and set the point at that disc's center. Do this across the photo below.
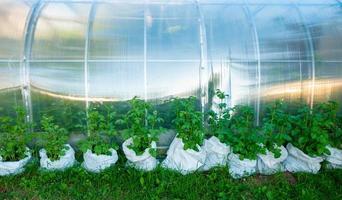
(234, 138)
(308, 134)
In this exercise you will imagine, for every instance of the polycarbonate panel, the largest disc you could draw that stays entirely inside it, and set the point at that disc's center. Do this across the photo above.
(10, 90)
(116, 53)
(9, 75)
(229, 33)
(67, 112)
(173, 32)
(115, 81)
(281, 32)
(284, 46)
(328, 82)
(232, 51)
(60, 80)
(173, 51)
(13, 16)
(325, 26)
(117, 32)
(60, 32)
(291, 49)
(285, 80)
(57, 90)
(10, 99)
(287, 2)
(172, 79)
(243, 87)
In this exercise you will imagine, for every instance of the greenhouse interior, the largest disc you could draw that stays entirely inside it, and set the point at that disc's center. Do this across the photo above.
(251, 87)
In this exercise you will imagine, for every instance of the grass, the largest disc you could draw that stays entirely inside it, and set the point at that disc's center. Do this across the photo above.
(119, 182)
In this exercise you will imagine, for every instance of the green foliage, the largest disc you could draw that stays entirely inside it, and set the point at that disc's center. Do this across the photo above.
(101, 129)
(236, 129)
(18, 125)
(218, 122)
(67, 112)
(309, 131)
(188, 123)
(326, 114)
(142, 124)
(119, 182)
(336, 137)
(6, 124)
(276, 127)
(102, 123)
(98, 145)
(242, 135)
(13, 136)
(53, 138)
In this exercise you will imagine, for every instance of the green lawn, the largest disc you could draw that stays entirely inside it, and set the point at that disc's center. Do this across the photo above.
(119, 182)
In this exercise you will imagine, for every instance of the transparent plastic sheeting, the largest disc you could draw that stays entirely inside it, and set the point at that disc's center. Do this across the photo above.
(57, 52)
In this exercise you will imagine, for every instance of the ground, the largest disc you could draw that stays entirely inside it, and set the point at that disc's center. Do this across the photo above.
(119, 182)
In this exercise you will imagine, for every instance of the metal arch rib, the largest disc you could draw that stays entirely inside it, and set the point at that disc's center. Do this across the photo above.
(30, 26)
(257, 49)
(90, 24)
(203, 58)
(312, 52)
(145, 53)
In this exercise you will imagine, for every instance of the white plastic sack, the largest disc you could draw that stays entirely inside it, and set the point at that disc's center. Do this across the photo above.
(298, 161)
(97, 163)
(240, 168)
(14, 167)
(335, 158)
(267, 164)
(184, 161)
(144, 162)
(216, 153)
(64, 162)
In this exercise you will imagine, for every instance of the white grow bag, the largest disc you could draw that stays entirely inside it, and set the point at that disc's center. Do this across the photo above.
(216, 153)
(96, 163)
(183, 161)
(14, 167)
(335, 158)
(240, 168)
(298, 161)
(145, 162)
(267, 164)
(64, 162)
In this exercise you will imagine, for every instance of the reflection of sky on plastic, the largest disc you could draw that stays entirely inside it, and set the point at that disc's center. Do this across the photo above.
(62, 17)
(118, 81)
(64, 79)
(172, 36)
(9, 75)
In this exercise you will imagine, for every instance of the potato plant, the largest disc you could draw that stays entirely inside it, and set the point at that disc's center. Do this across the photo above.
(326, 113)
(188, 122)
(276, 127)
(142, 123)
(242, 135)
(309, 131)
(53, 138)
(218, 121)
(13, 136)
(101, 127)
(336, 137)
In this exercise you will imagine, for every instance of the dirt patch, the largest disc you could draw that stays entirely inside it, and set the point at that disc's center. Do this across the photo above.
(2, 190)
(290, 178)
(261, 179)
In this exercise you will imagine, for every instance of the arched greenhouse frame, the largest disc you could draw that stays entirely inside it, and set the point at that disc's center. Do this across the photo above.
(59, 56)
(170, 99)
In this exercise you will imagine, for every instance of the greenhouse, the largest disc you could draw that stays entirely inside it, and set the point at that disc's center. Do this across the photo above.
(179, 85)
